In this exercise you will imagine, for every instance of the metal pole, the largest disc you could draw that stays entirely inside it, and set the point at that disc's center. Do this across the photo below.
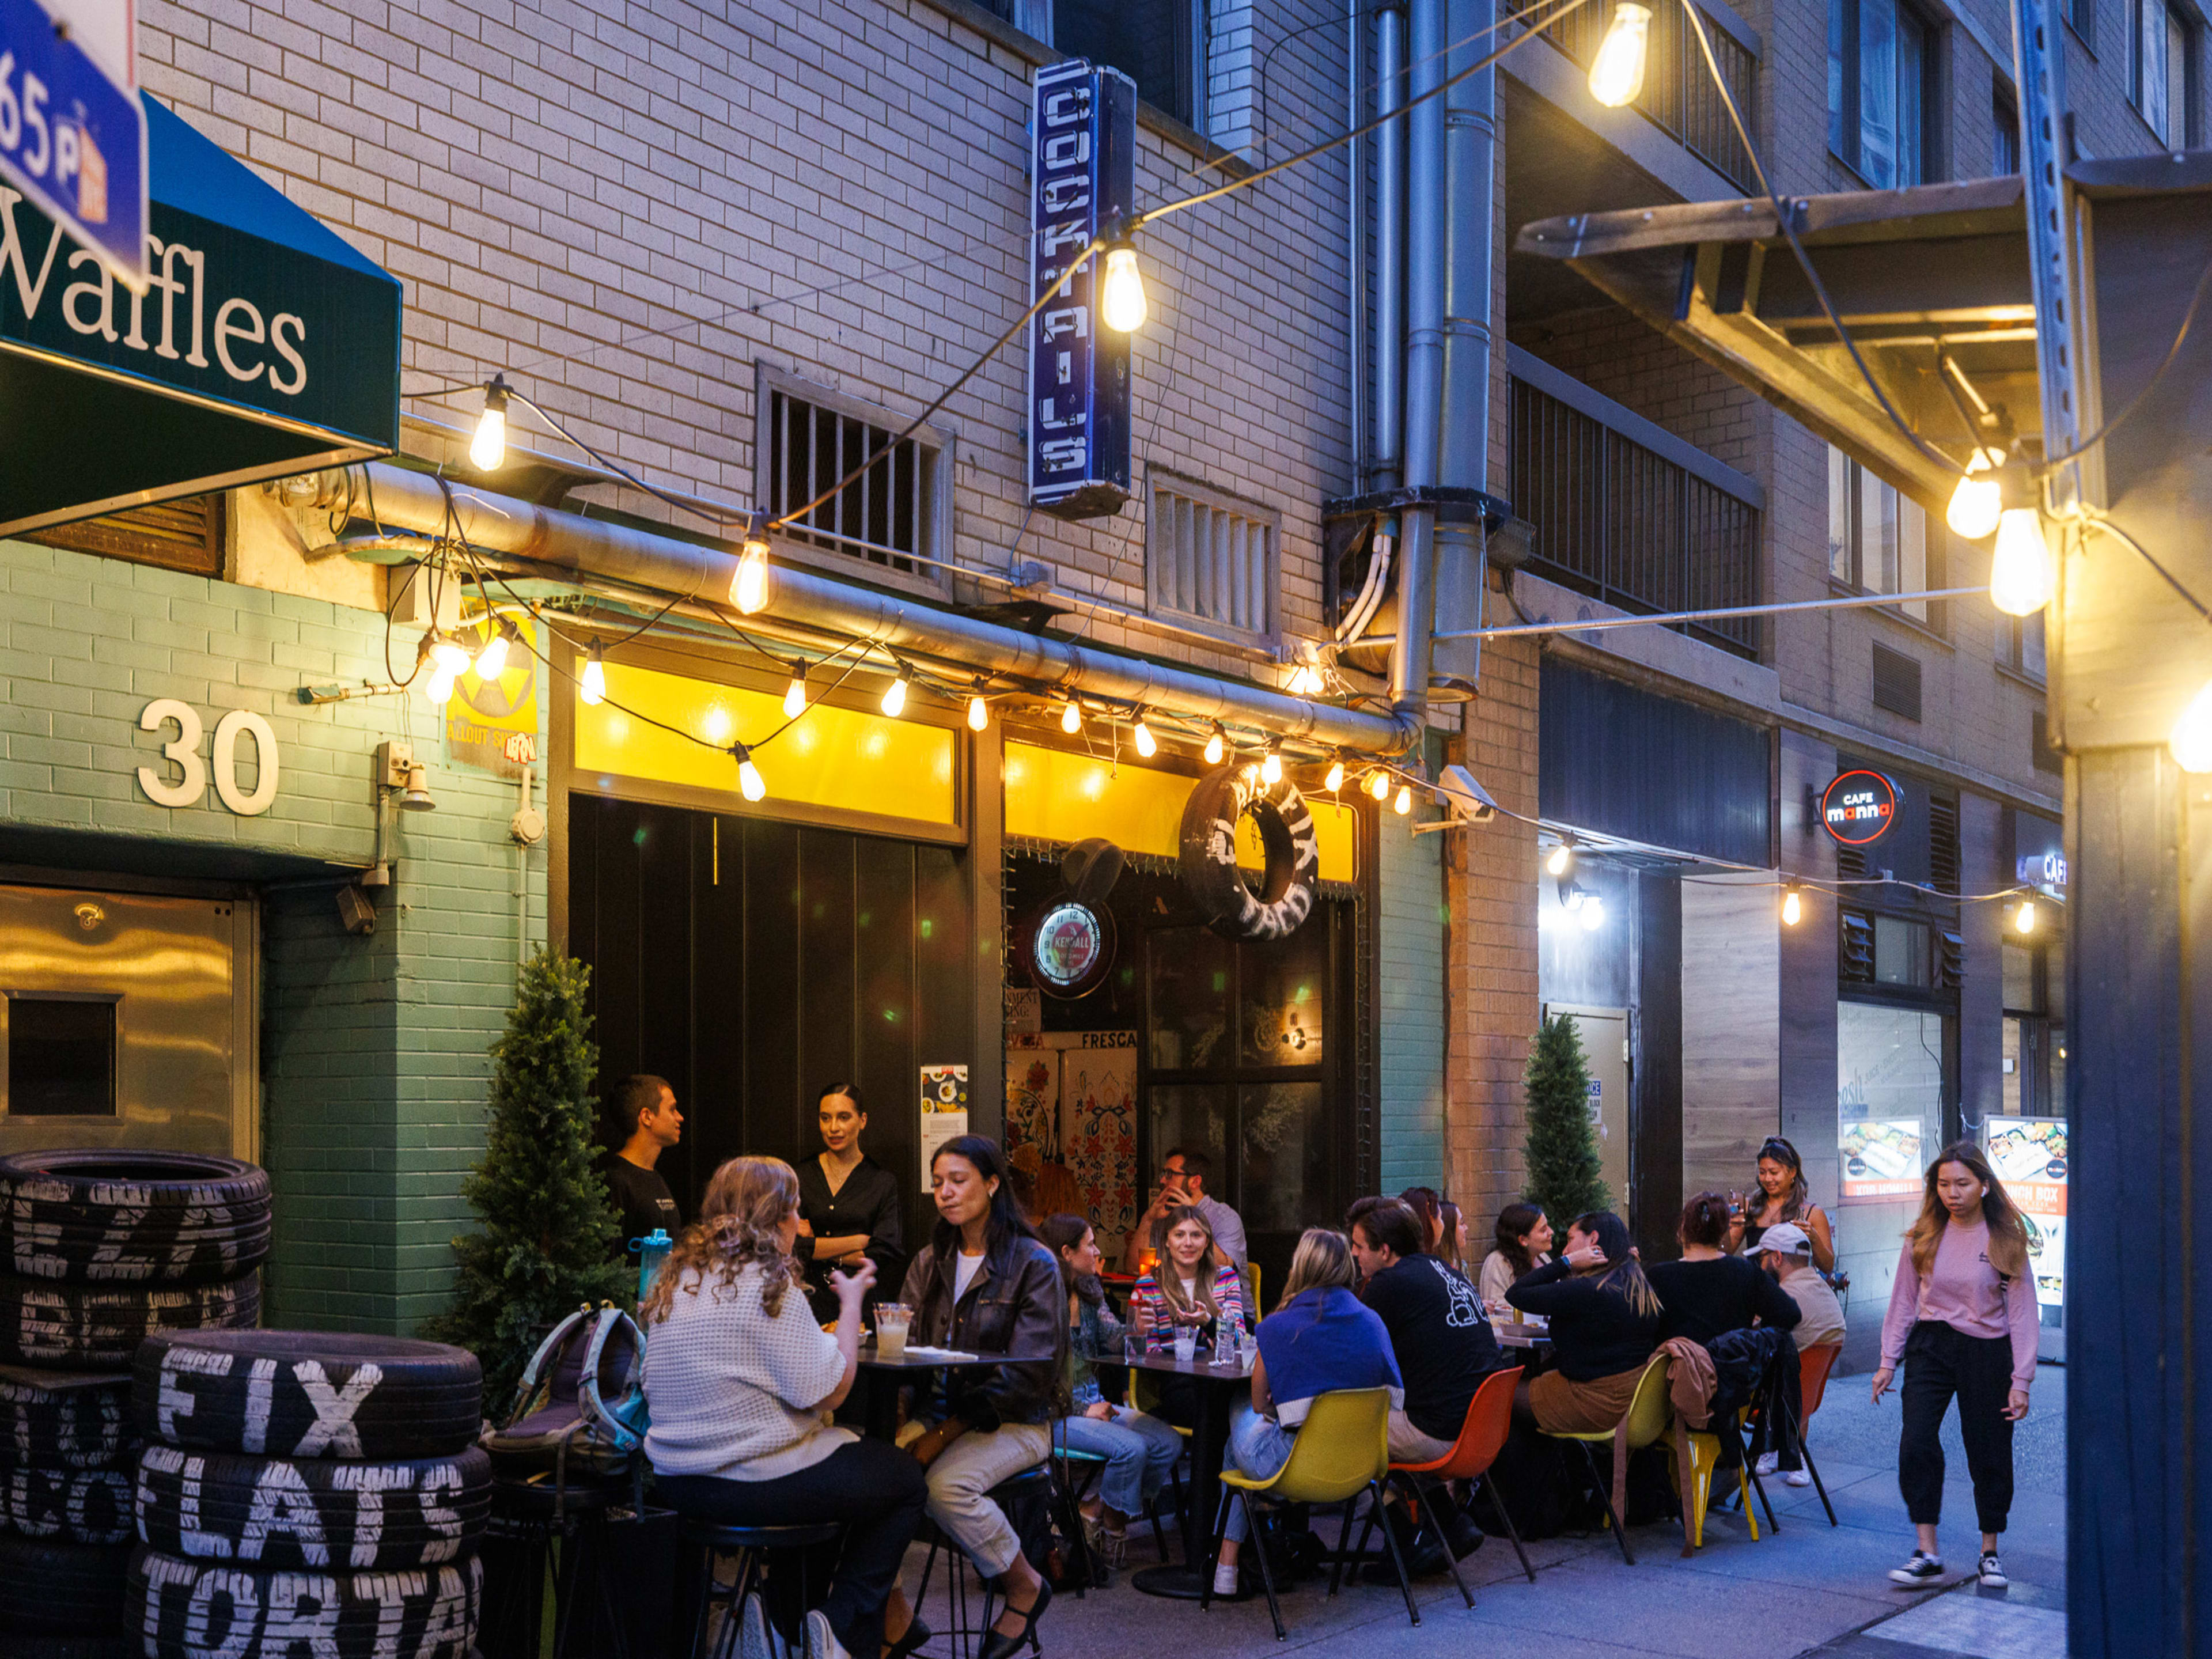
(1355, 238)
(1386, 461)
(1426, 185)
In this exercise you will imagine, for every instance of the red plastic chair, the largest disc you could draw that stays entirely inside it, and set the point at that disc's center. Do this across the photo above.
(1814, 1364)
(1481, 1437)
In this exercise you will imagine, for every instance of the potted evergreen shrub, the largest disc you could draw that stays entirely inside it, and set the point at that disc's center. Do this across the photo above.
(1562, 1149)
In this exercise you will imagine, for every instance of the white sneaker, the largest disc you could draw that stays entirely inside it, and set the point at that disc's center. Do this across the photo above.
(756, 1636)
(821, 1641)
(1797, 1477)
(1921, 1568)
(1224, 1579)
(1992, 1573)
(1768, 1462)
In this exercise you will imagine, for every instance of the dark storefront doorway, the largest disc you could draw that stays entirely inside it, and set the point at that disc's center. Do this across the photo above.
(750, 963)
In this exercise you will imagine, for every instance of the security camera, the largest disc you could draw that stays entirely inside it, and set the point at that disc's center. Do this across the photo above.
(355, 914)
(1462, 793)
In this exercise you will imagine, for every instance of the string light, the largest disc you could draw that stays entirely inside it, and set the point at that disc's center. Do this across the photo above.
(1147, 744)
(1121, 305)
(1404, 804)
(491, 659)
(2191, 739)
(751, 784)
(1071, 717)
(1271, 765)
(2021, 577)
(1562, 859)
(448, 654)
(2023, 920)
(1976, 501)
(1792, 906)
(979, 713)
(487, 449)
(749, 587)
(595, 680)
(1616, 73)
(1378, 784)
(1592, 911)
(438, 687)
(894, 695)
(794, 695)
(1216, 747)
(1335, 779)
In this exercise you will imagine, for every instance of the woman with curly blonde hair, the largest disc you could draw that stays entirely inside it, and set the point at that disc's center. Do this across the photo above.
(741, 1383)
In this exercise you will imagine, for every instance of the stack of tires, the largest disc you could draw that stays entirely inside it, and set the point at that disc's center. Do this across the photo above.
(306, 1493)
(97, 1249)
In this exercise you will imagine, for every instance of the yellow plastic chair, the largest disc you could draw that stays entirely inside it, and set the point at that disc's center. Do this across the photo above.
(1705, 1456)
(1649, 1412)
(1342, 1449)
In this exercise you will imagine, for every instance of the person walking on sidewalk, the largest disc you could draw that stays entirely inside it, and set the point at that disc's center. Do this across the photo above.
(1962, 1318)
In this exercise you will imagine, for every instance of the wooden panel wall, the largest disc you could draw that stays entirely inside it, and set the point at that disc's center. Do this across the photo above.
(1731, 1029)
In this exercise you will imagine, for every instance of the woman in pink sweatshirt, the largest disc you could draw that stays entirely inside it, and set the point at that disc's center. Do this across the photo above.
(1962, 1316)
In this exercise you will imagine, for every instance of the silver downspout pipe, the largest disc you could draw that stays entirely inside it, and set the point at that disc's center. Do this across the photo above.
(1470, 150)
(1426, 217)
(806, 606)
(1386, 462)
(1355, 240)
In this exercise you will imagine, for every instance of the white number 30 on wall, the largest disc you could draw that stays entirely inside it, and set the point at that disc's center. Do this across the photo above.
(184, 753)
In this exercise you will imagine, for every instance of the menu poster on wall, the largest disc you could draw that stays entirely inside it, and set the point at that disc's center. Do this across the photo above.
(2029, 1154)
(1881, 1157)
(944, 1111)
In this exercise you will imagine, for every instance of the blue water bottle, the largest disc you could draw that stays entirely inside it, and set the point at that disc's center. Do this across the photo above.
(651, 1253)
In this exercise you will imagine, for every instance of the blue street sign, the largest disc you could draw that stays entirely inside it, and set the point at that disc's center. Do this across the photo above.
(1083, 130)
(73, 139)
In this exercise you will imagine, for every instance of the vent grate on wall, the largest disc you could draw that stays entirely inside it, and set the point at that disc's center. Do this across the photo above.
(1896, 682)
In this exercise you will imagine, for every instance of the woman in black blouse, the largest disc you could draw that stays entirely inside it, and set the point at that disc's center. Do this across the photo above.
(1605, 1324)
(848, 1204)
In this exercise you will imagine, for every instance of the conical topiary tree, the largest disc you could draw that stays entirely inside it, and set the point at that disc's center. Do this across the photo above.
(547, 1243)
(1563, 1163)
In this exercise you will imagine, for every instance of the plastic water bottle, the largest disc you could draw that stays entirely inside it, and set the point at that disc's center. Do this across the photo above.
(651, 1253)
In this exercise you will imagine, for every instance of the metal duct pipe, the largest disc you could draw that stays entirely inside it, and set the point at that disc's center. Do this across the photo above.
(1355, 240)
(806, 605)
(1425, 214)
(1470, 150)
(1386, 463)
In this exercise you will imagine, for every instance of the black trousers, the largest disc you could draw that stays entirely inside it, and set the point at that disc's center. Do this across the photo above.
(1940, 1361)
(876, 1490)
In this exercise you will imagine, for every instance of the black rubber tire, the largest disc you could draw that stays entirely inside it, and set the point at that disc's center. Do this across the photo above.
(48, 1588)
(69, 1647)
(84, 1327)
(180, 1609)
(207, 1390)
(92, 1217)
(1206, 854)
(81, 1506)
(82, 1428)
(274, 1512)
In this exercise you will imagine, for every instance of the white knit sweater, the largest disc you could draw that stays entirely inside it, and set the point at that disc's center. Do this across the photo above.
(730, 1388)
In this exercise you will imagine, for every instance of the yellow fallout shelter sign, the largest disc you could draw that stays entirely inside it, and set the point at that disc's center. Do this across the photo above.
(483, 715)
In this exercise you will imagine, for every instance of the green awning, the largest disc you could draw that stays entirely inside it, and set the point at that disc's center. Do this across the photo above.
(266, 346)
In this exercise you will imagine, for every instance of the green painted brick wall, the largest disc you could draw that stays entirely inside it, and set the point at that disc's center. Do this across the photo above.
(1410, 921)
(373, 1049)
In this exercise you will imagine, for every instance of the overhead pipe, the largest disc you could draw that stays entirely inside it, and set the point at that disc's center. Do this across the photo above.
(1426, 217)
(807, 606)
(1386, 463)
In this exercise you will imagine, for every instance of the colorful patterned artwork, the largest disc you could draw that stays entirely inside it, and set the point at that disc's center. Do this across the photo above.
(1071, 1095)
(1033, 1096)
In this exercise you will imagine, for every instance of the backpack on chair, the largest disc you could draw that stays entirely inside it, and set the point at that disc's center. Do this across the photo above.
(580, 1410)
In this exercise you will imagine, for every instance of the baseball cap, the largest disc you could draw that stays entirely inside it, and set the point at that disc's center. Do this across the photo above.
(1786, 1237)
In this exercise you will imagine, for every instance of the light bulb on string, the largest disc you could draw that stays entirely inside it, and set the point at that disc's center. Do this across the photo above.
(1977, 500)
(1793, 908)
(1071, 717)
(1121, 305)
(1216, 747)
(2192, 737)
(751, 784)
(749, 586)
(1334, 781)
(1404, 804)
(1271, 765)
(1147, 744)
(794, 695)
(1616, 73)
(1378, 784)
(440, 687)
(979, 713)
(487, 449)
(448, 654)
(895, 696)
(491, 658)
(594, 683)
(1562, 859)
(2022, 577)
(2023, 920)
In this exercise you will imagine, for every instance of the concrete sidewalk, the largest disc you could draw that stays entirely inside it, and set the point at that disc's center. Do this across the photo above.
(1809, 1588)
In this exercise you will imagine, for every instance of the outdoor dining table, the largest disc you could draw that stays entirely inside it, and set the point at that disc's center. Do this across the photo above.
(1216, 1397)
(883, 1377)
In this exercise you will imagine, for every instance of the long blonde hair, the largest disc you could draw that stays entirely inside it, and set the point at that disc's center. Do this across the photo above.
(2008, 1235)
(1324, 1262)
(747, 1199)
(1170, 1281)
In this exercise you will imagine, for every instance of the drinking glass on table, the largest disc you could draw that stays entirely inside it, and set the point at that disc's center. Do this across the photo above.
(1186, 1344)
(891, 1320)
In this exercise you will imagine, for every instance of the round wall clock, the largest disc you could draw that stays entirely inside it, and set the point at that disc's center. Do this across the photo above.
(1070, 948)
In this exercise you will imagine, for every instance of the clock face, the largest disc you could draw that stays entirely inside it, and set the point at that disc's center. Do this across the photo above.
(1070, 941)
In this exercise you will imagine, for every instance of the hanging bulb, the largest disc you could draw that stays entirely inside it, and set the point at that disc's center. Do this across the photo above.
(440, 687)
(749, 586)
(794, 695)
(1147, 744)
(1121, 305)
(1792, 909)
(1617, 72)
(751, 784)
(2191, 739)
(1977, 499)
(1334, 781)
(2021, 575)
(491, 661)
(1378, 785)
(1592, 911)
(2023, 920)
(1404, 804)
(487, 449)
(1562, 859)
(1216, 746)
(595, 680)
(448, 654)
(1271, 766)
(895, 696)
(978, 713)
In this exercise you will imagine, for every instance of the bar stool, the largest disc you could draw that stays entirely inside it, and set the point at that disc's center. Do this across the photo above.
(1031, 1484)
(534, 1531)
(748, 1545)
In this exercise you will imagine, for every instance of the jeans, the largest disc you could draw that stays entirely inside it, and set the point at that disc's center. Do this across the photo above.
(960, 1482)
(1140, 1451)
(1940, 1360)
(874, 1489)
(1258, 1446)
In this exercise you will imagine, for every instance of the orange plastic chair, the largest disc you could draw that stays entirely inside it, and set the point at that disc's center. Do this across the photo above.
(1814, 1364)
(1481, 1437)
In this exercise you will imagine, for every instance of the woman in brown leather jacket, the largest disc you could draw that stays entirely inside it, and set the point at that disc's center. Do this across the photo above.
(986, 1284)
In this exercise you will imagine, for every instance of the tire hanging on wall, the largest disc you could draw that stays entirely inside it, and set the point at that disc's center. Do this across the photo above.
(78, 1327)
(307, 1394)
(180, 1609)
(268, 1513)
(1206, 859)
(92, 1217)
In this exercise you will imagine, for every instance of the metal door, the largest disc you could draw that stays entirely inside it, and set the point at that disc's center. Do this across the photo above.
(1605, 1051)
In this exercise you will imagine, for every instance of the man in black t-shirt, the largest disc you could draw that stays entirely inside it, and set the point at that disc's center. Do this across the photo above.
(642, 1113)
